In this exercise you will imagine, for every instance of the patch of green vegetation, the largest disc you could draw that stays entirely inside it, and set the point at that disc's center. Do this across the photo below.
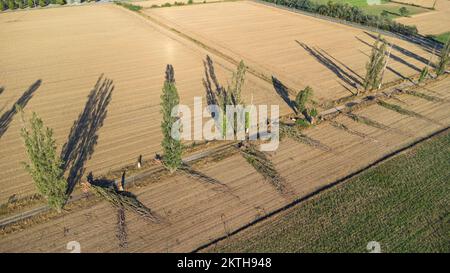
(441, 38)
(385, 8)
(402, 203)
(128, 6)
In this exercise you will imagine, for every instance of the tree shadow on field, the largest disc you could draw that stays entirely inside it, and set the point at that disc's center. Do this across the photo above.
(210, 82)
(393, 56)
(283, 92)
(7, 116)
(348, 78)
(405, 51)
(84, 132)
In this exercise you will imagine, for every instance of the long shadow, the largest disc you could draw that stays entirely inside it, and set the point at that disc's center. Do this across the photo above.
(423, 42)
(210, 82)
(8, 116)
(404, 50)
(283, 92)
(388, 68)
(326, 60)
(393, 56)
(83, 134)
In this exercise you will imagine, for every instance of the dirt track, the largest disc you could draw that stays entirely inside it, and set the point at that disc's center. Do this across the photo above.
(198, 214)
(68, 49)
(297, 49)
(433, 22)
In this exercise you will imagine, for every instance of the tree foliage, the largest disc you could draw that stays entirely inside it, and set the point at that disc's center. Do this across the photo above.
(444, 58)
(221, 96)
(169, 99)
(44, 166)
(349, 13)
(304, 105)
(375, 65)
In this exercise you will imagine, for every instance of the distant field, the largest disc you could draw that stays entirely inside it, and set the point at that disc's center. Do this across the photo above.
(443, 38)
(391, 8)
(51, 60)
(403, 204)
(433, 22)
(297, 49)
(150, 3)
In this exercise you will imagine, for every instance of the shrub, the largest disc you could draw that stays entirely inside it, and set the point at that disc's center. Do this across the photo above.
(423, 74)
(60, 2)
(190, 2)
(302, 123)
(30, 3)
(2, 5)
(129, 6)
(42, 3)
(169, 99)
(302, 98)
(404, 11)
(166, 5)
(45, 166)
(303, 102)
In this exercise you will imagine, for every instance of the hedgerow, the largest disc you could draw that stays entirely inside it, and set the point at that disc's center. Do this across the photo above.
(349, 13)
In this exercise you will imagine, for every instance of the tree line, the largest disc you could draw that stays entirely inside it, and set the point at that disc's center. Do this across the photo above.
(22, 4)
(349, 13)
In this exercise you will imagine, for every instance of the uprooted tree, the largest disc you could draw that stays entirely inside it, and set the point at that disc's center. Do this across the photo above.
(45, 166)
(171, 145)
(444, 59)
(375, 66)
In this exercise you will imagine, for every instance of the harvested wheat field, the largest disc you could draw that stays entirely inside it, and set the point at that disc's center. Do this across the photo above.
(433, 22)
(298, 50)
(422, 3)
(150, 3)
(195, 213)
(50, 62)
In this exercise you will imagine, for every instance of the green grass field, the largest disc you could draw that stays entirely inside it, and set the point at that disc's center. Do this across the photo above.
(391, 8)
(443, 37)
(403, 204)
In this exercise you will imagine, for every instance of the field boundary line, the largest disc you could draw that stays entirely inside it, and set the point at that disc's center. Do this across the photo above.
(327, 114)
(208, 48)
(324, 188)
(411, 39)
(130, 181)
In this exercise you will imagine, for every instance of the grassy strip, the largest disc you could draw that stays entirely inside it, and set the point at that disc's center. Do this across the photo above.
(402, 203)
(441, 38)
(128, 6)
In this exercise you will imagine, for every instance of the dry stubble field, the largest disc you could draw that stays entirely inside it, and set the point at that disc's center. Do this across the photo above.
(432, 22)
(67, 50)
(197, 213)
(297, 49)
